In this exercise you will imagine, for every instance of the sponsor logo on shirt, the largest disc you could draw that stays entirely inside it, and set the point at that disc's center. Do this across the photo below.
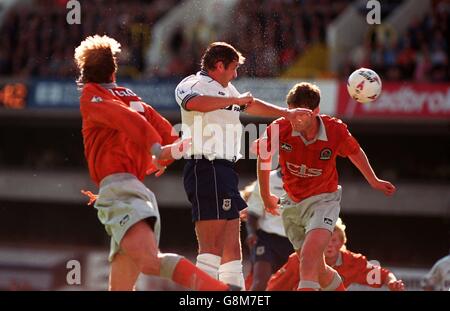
(221, 93)
(96, 99)
(302, 170)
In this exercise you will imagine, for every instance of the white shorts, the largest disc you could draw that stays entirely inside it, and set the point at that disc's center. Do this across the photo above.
(123, 201)
(316, 212)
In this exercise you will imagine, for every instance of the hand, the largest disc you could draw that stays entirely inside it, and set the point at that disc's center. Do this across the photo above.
(397, 285)
(271, 204)
(245, 99)
(384, 186)
(243, 215)
(251, 240)
(299, 115)
(175, 150)
(160, 169)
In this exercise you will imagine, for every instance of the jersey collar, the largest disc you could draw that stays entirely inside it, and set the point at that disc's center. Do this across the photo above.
(108, 85)
(339, 260)
(321, 134)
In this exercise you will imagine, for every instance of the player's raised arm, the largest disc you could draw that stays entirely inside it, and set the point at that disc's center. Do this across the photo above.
(264, 109)
(203, 103)
(361, 161)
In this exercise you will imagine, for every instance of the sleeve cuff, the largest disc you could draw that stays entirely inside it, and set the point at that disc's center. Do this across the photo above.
(188, 98)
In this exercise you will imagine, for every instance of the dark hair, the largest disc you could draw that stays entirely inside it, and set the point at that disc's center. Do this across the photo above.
(304, 95)
(220, 52)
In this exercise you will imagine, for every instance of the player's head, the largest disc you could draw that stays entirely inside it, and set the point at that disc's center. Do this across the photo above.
(95, 58)
(337, 241)
(222, 57)
(304, 95)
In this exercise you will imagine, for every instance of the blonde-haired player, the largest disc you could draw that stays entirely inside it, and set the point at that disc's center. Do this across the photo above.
(124, 139)
(352, 267)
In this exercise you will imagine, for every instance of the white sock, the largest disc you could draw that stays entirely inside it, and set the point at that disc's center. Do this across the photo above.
(209, 263)
(309, 284)
(231, 273)
(335, 282)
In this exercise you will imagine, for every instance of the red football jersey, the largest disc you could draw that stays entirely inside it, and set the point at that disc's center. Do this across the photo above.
(309, 167)
(119, 131)
(353, 268)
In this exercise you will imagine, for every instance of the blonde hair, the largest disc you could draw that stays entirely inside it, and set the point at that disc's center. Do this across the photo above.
(340, 228)
(95, 58)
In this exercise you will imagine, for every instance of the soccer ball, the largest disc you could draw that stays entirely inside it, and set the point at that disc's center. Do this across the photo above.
(364, 85)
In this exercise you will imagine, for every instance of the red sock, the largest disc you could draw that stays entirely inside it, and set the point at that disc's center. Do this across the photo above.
(188, 275)
(340, 288)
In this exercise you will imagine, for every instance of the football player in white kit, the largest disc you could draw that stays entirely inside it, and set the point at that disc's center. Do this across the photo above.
(439, 276)
(210, 108)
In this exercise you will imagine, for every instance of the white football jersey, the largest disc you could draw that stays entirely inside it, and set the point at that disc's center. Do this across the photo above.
(215, 134)
(439, 275)
(268, 222)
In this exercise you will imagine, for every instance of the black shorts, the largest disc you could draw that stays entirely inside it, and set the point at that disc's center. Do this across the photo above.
(212, 189)
(271, 248)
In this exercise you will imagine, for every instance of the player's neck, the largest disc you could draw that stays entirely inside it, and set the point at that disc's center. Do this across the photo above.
(311, 132)
(331, 261)
(219, 78)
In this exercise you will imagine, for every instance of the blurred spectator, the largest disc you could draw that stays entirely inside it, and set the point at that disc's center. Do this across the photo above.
(36, 39)
(420, 54)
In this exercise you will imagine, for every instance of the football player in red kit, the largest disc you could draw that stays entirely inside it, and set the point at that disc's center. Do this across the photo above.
(125, 139)
(307, 154)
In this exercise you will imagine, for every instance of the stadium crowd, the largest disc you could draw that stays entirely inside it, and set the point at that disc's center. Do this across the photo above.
(37, 41)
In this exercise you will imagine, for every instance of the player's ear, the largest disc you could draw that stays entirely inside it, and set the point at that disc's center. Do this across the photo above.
(316, 111)
(220, 66)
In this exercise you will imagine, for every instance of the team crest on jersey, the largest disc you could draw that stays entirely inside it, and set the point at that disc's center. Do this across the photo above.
(226, 204)
(286, 147)
(325, 154)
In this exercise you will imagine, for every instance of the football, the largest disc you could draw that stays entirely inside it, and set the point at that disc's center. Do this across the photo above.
(364, 85)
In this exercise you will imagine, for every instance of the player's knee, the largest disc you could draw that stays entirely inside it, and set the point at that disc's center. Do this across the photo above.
(149, 264)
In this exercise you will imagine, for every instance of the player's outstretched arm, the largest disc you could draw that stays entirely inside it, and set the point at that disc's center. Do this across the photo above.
(204, 103)
(360, 160)
(264, 109)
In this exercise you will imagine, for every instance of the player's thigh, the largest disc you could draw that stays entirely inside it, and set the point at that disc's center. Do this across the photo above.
(211, 236)
(316, 241)
(123, 274)
(232, 241)
(139, 243)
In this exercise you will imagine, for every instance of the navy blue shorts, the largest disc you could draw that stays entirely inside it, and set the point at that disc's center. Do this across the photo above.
(212, 189)
(271, 248)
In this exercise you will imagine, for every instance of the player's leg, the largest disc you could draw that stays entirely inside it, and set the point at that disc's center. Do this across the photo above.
(311, 258)
(262, 271)
(210, 238)
(230, 270)
(123, 273)
(330, 280)
(139, 243)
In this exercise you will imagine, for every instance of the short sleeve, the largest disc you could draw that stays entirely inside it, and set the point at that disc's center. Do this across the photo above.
(349, 145)
(186, 90)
